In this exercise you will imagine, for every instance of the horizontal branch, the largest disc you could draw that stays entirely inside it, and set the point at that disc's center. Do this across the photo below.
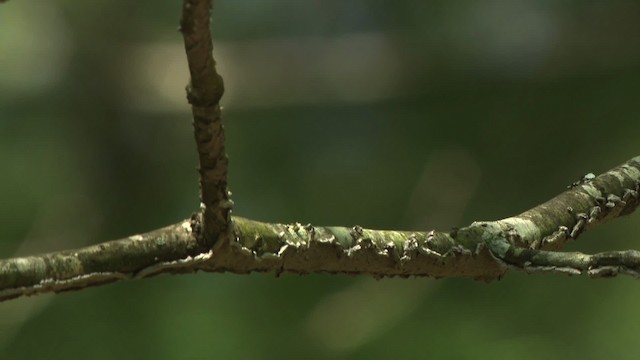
(606, 264)
(302, 249)
(257, 247)
(132, 257)
(483, 250)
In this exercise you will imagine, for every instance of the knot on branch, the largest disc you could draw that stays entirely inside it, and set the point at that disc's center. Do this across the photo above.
(205, 90)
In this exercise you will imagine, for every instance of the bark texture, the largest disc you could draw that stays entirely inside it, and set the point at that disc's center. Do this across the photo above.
(203, 93)
(214, 241)
(484, 250)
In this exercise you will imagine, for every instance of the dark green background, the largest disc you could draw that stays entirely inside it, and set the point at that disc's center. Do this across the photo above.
(492, 107)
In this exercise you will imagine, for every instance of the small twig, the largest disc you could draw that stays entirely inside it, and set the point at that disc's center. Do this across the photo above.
(589, 202)
(203, 93)
(605, 264)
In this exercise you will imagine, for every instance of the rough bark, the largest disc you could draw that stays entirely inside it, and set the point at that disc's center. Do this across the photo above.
(483, 250)
(203, 93)
(216, 242)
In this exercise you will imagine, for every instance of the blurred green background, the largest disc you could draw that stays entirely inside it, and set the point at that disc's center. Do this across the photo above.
(387, 114)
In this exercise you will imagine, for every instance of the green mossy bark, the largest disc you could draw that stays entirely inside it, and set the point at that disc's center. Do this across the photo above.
(483, 250)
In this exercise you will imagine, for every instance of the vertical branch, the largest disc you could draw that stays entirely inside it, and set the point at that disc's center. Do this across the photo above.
(203, 93)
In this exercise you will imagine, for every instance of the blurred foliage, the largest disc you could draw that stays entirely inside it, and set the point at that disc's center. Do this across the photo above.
(386, 114)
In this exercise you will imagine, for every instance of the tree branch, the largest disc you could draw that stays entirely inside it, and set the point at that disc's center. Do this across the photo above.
(133, 257)
(605, 264)
(479, 250)
(589, 202)
(483, 250)
(203, 93)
